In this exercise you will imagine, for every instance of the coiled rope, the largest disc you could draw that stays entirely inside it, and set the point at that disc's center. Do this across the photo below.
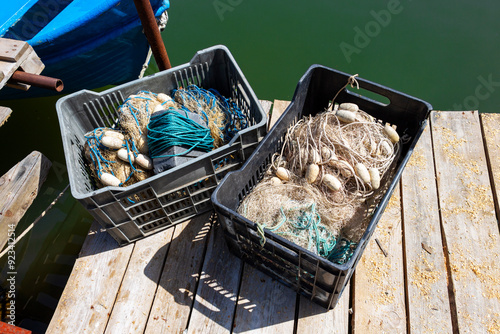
(174, 128)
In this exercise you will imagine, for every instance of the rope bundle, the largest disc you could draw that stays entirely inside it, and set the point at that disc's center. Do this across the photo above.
(172, 128)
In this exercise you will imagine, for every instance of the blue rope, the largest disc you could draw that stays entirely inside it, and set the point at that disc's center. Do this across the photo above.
(319, 237)
(131, 148)
(172, 128)
(342, 252)
(235, 119)
(93, 139)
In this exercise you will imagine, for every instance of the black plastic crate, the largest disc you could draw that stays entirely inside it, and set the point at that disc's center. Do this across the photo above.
(171, 197)
(313, 276)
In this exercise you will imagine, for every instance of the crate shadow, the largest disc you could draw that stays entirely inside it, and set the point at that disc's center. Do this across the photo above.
(202, 282)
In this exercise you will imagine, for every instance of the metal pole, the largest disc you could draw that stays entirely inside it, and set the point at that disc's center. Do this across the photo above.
(37, 80)
(152, 33)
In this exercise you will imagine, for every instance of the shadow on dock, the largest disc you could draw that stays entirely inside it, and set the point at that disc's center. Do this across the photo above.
(203, 286)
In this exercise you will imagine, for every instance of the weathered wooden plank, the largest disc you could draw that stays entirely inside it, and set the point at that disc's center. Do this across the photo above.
(16, 55)
(217, 292)
(19, 187)
(379, 295)
(137, 291)
(314, 319)
(468, 219)
(266, 105)
(12, 50)
(32, 64)
(175, 294)
(491, 129)
(279, 107)
(90, 293)
(264, 305)
(427, 291)
(4, 114)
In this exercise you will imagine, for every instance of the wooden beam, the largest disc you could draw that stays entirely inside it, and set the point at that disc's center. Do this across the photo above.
(17, 55)
(468, 220)
(19, 187)
(4, 114)
(426, 274)
(278, 109)
(12, 50)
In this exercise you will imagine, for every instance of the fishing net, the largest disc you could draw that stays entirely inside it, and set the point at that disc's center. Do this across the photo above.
(221, 114)
(102, 151)
(316, 185)
(134, 116)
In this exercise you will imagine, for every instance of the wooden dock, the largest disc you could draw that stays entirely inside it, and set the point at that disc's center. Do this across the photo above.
(439, 273)
(19, 188)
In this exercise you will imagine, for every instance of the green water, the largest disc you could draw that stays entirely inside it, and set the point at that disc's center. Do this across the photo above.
(438, 51)
(442, 52)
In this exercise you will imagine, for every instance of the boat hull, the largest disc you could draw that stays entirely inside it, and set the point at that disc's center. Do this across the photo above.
(89, 52)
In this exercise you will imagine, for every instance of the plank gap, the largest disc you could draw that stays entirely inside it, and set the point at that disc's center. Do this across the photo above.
(175, 295)
(297, 311)
(213, 219)
(427, 300)
(405, 262)
(119, 288)
(352, 303)
(242, 268)
(491, 173)
(159, 276)
(379, 304)
(449, 279)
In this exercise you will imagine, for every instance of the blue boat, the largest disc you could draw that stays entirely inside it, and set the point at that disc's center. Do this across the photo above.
(86, 43)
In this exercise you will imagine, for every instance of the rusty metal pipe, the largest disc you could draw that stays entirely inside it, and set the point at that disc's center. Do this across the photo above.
(152, 33)
(37, 80)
